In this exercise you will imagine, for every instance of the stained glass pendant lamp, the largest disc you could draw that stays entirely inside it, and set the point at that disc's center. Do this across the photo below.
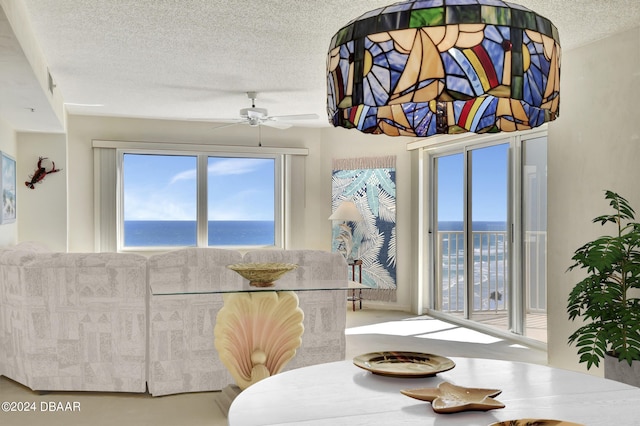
(427, 67)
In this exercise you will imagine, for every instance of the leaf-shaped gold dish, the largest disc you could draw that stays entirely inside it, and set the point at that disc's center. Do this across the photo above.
(449, 398)
(403, 364)
(535, 422)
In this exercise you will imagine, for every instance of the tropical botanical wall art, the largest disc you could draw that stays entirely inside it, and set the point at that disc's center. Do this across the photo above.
(8, 185)
(371, 184)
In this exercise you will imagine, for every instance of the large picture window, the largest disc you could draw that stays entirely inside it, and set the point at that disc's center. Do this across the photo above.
(176, 200)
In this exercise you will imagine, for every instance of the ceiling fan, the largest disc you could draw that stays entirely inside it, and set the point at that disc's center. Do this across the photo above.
(255, 116)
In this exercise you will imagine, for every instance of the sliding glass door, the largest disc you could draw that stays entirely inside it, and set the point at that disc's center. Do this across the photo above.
(471, 199)
(489, 233)
(487, 177)
(450, 291)
(534, 237)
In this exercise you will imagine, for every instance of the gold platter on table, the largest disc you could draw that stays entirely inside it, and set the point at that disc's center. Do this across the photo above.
(449, 398)
(403, 364)
(535, 422)
(262, 274)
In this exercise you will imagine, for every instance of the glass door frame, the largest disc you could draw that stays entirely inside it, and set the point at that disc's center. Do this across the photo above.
(442, 145)
(468, 267)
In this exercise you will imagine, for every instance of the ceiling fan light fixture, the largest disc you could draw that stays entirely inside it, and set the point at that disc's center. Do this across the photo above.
(427, 67)
(255, 116)
(253, 112)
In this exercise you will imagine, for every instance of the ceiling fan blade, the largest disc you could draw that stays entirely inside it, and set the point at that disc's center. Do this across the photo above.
(275, 124)
(229, 125)
(295, 117)
(227, 120)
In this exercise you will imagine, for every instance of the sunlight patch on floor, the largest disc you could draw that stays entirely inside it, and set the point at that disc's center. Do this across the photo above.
(402, 328)
(461, 334)
(517, 346)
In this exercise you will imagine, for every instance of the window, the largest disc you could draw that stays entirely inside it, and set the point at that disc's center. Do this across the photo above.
(159, 200)
(176, 199)
(241, 201)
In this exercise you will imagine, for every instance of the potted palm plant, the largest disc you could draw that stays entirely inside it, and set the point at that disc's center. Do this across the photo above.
(607, 298)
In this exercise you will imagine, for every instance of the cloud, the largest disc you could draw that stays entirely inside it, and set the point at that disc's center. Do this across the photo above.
(248, 204)
(154, 207)
(222, 167)
(186, 175)
(235, 166)
(243, 205)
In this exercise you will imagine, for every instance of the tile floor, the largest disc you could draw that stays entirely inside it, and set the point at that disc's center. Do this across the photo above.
(367, 331)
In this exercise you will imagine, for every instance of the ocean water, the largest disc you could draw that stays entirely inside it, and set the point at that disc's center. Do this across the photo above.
(493, 226)
(140, 233)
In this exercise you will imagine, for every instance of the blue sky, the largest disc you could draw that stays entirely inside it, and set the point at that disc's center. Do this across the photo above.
(489, 183)
(162, 187)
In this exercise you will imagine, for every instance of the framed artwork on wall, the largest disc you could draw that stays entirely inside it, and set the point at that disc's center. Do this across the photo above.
(370, 183)
(8, 184)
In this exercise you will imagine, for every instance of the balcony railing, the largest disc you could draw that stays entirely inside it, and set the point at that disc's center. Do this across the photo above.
(488, 275)
(490, 271)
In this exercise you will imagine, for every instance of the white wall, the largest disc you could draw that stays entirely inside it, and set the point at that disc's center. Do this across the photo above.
(593, 146)
(8, 231)
(42, 211)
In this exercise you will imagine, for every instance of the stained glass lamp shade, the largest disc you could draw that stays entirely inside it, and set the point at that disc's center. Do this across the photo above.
(427, 67)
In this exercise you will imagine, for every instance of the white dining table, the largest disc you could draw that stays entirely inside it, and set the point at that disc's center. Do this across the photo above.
(341, 393)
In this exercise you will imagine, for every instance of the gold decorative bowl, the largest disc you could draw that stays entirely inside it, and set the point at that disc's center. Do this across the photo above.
(262, 274)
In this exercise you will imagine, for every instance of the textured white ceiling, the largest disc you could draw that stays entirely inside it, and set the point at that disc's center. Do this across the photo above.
(196, 59)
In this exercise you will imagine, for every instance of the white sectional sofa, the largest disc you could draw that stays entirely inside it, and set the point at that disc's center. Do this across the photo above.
(72, 321)
(182, 357)
(90, 321)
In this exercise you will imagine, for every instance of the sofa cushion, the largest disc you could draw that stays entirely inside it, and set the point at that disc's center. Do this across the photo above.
(78, 320)
(192, 269)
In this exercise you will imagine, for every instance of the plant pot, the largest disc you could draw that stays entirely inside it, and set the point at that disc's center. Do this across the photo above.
(620, 371)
